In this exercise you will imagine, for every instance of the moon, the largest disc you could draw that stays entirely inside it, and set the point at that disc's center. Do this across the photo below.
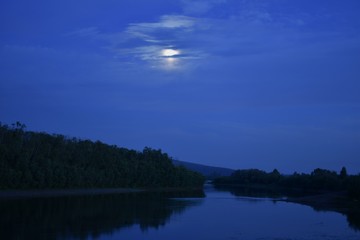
(169, 52)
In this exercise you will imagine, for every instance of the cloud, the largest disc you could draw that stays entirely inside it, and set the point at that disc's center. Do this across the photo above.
(249, 30)
(197, 38)
(166, 22)
(146, 41)
(146, 53)
(161, 31)
(199, 6)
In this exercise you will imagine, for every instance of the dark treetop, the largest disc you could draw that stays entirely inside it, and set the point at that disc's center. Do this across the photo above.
(319, 180)
(39, 160)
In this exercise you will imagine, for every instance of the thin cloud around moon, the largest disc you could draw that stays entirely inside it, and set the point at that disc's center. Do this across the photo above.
(168, 52)
(158, 43)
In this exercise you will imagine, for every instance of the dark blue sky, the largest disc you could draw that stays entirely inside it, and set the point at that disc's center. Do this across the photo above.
(234, 83)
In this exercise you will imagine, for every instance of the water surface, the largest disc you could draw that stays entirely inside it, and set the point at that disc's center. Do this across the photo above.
(219, 215)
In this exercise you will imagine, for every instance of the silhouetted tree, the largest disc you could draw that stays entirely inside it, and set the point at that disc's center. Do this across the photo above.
(40, 160)
(343, 173)
(318, 180)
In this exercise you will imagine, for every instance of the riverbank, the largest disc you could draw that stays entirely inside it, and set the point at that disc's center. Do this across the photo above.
(338, 201)
(330, 201)
(36, 193)
(11, 194)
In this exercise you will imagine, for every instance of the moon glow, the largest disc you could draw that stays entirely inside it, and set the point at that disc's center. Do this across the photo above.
(169, 52)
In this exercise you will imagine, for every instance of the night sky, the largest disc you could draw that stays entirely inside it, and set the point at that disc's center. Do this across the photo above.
(234, 83)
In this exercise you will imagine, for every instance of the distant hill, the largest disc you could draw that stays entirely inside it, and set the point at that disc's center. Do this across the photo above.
(208, 171)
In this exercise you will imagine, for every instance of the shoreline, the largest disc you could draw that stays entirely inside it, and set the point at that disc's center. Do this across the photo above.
(46, 193)
(331, 201)
(322, 200)
(35, 193)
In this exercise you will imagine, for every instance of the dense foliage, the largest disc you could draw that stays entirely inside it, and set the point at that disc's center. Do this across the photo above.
(319, 180)
(40, 160)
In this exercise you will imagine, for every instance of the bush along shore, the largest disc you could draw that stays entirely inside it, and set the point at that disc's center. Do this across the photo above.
(317, 182)
(323, 190)
(33, 160)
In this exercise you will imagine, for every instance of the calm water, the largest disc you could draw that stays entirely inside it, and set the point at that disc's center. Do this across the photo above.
(218, 215)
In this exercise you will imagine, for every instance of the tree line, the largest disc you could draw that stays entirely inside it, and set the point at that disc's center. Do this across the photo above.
(317, 180)
(33, 160)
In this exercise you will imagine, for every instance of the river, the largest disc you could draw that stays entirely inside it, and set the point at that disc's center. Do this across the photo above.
(208, 215)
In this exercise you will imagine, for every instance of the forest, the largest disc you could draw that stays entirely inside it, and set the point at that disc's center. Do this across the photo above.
(37, 160)
(317, 180)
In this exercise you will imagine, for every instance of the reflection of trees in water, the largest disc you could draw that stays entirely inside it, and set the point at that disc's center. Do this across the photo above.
(250, 192)
(262, 192)
(352, 211)
(353, 218)
(80, 217)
